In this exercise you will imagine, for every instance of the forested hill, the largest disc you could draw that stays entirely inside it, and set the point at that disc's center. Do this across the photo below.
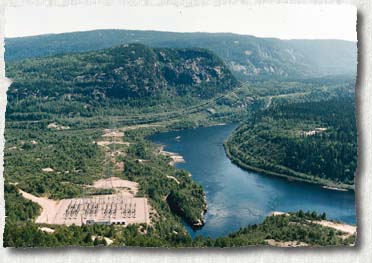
(123, 72)
(248, 57)
(308, 141)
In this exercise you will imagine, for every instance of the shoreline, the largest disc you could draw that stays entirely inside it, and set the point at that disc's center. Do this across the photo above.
(329, 186)
(325, 185)
(175, 157)
(335, 188)
(349, 229)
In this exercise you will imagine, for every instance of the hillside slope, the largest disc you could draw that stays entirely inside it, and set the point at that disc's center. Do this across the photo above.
(132, 73)
(248, 57)
(311, 141)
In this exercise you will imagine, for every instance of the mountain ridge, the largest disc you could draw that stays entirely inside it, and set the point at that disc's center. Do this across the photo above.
(248, 57)
(125, 74)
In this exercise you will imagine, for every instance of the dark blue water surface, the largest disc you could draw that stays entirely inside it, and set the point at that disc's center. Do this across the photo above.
(236, 197)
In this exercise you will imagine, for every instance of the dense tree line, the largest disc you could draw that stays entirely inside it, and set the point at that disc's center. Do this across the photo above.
(124, 72)
(295, 227)
(275, 140)
(164, 184)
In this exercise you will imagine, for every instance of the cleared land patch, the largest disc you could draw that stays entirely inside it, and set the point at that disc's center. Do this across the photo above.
(121, 208)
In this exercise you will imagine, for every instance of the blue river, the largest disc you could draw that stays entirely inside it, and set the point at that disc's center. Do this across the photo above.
(237, 198)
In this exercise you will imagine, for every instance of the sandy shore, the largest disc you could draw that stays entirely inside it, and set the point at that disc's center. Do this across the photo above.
(334, 188)
(176, 158)
(349, 230)
(346, 229)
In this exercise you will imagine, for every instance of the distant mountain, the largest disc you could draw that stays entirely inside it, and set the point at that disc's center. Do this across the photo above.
(123, 72)
(248, 57)
(329, 56)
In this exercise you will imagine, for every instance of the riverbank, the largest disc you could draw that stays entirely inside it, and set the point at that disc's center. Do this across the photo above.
(347, 229)
(249, 197)
(175, 157)
(327, 184)
(220, 209)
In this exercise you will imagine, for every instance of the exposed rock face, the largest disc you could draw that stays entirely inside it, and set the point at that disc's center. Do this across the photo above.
(126, 71)
(193, 215)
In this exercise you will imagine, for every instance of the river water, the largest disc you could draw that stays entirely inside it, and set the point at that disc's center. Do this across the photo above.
(237, 198)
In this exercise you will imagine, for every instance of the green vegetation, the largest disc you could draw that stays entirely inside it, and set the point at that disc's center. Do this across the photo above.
(56, 114)
(187, 205)
(73, 158)
(17, 209)
(309, 141)
(107, 82)
(161, 181)
(248, 57)
(298, 228)
(151, 174)
(58, 107)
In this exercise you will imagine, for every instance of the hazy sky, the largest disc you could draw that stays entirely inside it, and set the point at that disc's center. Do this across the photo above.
(280, 21)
